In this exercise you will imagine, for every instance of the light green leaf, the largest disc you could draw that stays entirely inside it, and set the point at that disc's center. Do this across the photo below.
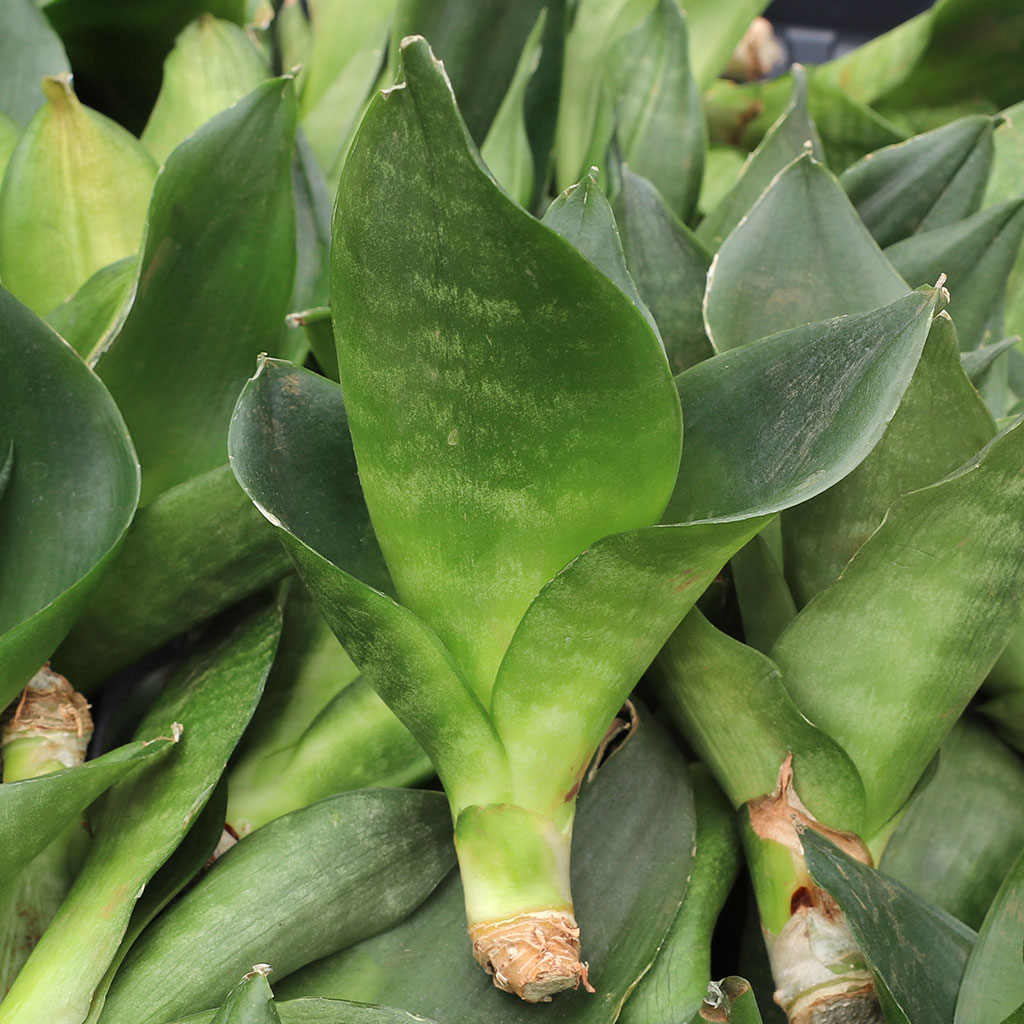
(977, 255)
(768, 277)
(659, 121)
(305, 886)
(916, 951)
(927, 182)
(98, 308)
(784, 142)
(1008, 160)
(926, 604)
(29, 51)
(213, 65)
(715, 31)
(67, 438)
(215, 278)
(669, 266)
(506, 470)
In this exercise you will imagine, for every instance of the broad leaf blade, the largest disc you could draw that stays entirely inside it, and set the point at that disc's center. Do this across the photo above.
(215, 279)
(97, 308)
(300, 888)
(926, 604)
(536, 391)
(767, 276)
(917, 951)
(251, 1002)
(68, 439)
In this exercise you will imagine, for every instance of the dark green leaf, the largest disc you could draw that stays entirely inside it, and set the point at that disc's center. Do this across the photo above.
(197, 549)
(425, 966)
(300, 888)
(669, 266)
(925, 183)
(785, 141)
(978, 361)
(768, 275)
(674, 987)
(98, 308)
(143, 819)
(752, 448)
(916, 950)
(766, 603)
(68, 439)
(926, 604)
(536, 381)
(216, 276)
(940, 422)
(29, 50)
(993, 984)
(659, 121)
(325, 1011)
(251, 1002)
(979, 785)
(976, 255)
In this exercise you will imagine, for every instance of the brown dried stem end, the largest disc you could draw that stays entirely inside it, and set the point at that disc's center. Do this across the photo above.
(531, 955)
(49, 703)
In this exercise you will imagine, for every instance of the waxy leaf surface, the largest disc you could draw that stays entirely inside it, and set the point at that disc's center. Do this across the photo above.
(63, 436)
(325, 1011)
(29, 51)
(98, 308)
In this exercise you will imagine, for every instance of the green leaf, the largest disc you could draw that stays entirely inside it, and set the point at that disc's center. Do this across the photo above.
(302, 887)
(143, 819)
(506, 150)
(977, 254)
(993, 984)
(505, 470)
(213, 65)
(325, 1011)
(785, 141)
(751, 448)
(33, 812)
(251, 1002)
(734, 997)
(979, 361)
(915, 950)
(29, 51)
(766, 603)
(927, 182)
(1008, 159)
(767, 276)
(926, 604)
(309, 488)
(674, 988)
(715, 31)
(73, 200)
(98, 308)
(731, 704)
(197, 549)
(68, 439)
(669, 266)
(215, 278)
(659, 120)
(424, 964)
(940, 422)
(979, 785)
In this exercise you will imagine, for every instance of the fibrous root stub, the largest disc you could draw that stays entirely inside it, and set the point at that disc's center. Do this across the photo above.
(849, 1008)
(532, 955)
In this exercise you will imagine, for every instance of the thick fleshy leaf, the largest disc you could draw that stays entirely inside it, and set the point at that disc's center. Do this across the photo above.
(765, 600)
(196, 550)
(98, 308)
(926, 604)
(67, 437)
(251, 1001)
(916, 951)
(715, 31)
(731, 704)
(979, 784)
(215, 279)
(291, 452)
(753, 448)
(506, 150)
(993, 985)
(213, 64)
(976, 255)
(325, 1011)
(34, 811)
(74, 199)
(29, 51)
(1005, 183)
(424, 965)
(767, 276)
(927, 182)
(659, 121)
(784, 142)
(669, 266)
(979, 361)
(143, 819)
(941, 421)
(538, 414)
(674, 988)
(298, 889)
(731, 999)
